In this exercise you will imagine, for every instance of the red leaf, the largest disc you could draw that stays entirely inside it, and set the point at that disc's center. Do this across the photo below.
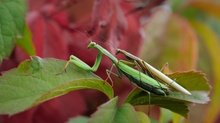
(54, 45)
(60, 109)
(23, 117)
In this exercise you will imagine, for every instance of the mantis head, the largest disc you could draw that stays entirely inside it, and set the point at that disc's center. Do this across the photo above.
(118, 51)
(91, 45)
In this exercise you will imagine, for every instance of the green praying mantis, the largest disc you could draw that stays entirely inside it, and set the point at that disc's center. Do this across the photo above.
(151, 71)
(139, 78)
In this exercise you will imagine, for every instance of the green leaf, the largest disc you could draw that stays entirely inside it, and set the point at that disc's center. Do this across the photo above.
(153, 120)
(177, 118)
(105, 112)
(176, 101)
(166, 115)
(79, 119)
(12, 20)
(139, 97)
(111, 113)
(143, 117)
(126, 114)
(26, 43)
(35, 81)
(190, 80)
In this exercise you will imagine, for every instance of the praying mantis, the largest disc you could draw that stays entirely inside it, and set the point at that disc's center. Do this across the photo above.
(139, 79)
(151, 71)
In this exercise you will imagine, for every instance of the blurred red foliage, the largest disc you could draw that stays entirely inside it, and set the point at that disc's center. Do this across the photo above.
(57, 31)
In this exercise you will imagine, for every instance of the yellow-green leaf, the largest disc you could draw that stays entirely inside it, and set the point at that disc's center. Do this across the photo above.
(211, 42)
(209, 7)
(175, 45)
(25, 42)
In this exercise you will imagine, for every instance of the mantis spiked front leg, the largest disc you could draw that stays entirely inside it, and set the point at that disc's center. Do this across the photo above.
(139, 79)
(151, 71)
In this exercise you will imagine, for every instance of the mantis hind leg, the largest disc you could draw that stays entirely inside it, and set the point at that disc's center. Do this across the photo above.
(149, 103)
(108, 72)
